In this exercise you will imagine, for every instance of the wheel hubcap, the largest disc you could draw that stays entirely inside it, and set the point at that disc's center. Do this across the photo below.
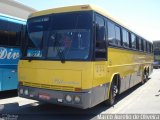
(115, 90)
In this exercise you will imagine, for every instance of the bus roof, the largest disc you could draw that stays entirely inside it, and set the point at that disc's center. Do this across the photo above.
(12, 19)
(80, 8)
(72, 9)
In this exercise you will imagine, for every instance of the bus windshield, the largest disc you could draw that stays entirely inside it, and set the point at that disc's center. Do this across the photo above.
(59, 36)
(69, 44)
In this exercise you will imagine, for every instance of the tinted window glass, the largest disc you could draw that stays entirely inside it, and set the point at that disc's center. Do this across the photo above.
(118, 36)
(69, 44)
(100, 33)
(100, 49)
(133, 41)
(144, 45)
(10, 33)
(148, 47)
(79, 20)
(3, 25)
(99, 21)
(125, 38)
(141, 44)
(111, 33)
(36, 28)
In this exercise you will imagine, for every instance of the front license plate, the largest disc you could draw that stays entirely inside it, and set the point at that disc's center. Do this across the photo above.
(44, 96)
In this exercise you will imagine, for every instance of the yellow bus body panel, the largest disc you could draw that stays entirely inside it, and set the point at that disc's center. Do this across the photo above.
(56, 75)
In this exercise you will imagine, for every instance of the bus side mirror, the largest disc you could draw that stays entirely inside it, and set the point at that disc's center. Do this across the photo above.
(100, 33)
(100, 48)
(100, 37)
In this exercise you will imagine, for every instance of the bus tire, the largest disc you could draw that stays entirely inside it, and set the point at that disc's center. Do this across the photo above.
(147, 74)
(112, 94)
(144, 77)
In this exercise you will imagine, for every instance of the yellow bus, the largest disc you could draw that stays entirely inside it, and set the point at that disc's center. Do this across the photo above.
(79, 56)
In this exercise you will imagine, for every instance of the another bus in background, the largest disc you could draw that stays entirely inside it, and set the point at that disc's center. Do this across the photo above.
(156, 49)
(11, 33)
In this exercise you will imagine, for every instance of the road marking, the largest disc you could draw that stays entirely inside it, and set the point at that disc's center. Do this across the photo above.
(20, 101)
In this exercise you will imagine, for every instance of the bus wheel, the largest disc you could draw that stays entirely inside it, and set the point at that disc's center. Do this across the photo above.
(112, 94)
(147, 75)
(144, 78)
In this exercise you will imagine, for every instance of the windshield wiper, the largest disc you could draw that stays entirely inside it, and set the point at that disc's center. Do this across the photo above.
(57, 46)
(60, 54)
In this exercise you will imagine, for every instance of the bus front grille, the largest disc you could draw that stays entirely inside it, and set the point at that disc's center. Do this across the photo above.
(45, 86)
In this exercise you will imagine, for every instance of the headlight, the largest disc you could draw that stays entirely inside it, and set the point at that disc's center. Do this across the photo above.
(77, 99)
(26, 92)
(68, 98)
(21, 91)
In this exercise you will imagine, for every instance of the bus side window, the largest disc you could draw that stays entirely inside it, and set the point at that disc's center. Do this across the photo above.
(14, 30)
(137, 43)
(100, 45)
(148, 47)
(3, 33)
(10, 34)
(3, 25)
(133, 41)
(144, 45)
(117, 36)
(125, 36)
(111, 33)
(140, 44)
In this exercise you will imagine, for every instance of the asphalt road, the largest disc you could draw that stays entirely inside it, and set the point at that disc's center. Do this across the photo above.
(141, 99)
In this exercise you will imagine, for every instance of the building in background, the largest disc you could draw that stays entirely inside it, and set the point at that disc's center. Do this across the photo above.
(156, 48)
(14, 8)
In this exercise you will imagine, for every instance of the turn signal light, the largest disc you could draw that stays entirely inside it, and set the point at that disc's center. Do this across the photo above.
(85, 7)
(78, 89)
(20, 83)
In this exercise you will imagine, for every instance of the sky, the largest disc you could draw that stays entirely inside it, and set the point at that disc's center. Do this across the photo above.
(142, 16)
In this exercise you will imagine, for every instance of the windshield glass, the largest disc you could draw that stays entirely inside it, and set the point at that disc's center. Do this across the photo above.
(69, 44)
(60, 36)
(36, 29)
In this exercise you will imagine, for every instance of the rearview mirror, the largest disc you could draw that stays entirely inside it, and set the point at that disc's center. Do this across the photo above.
(100, 33)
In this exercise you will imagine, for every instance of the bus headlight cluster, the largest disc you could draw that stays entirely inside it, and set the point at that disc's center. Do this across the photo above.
(21, 91)
(77, 99)
(26, 92)
(68, 98)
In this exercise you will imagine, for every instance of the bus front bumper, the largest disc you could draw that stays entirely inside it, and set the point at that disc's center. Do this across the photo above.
(75, 99)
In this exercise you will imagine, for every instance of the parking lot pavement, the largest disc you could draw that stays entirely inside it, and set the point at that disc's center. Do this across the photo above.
(141, 99)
